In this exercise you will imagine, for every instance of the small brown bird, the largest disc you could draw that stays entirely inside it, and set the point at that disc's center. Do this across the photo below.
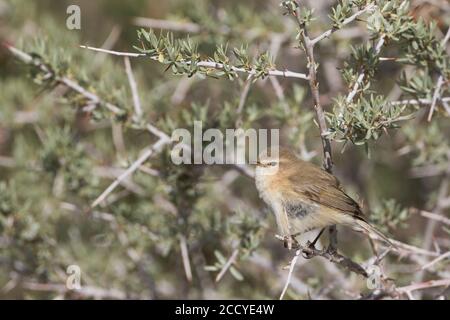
(304, 197)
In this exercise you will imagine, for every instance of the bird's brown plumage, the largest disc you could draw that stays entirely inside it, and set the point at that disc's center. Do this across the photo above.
(323, 188)
(303, 196)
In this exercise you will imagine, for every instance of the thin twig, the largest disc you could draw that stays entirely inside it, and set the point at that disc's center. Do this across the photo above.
(414, 101)
(446, 38)
(361, 75)
(118, 139)
(242, 99)
(434, 216)
(291, 270)
(228, 264)
(244, 94)
(185, 257)
(147, 154)
(424, 285)
(112, 173)
(314, 86)
(404, 248)
(436, 97)
(332, 256)
(133, 86)
(161, 135)
(182, 89)
(439, 83)
(433, 262)
(115, 53)
(94, 100)
(431, 225)
(308, 46)
(208, 64)
(109, 43)
(328, 33)
(275, 45)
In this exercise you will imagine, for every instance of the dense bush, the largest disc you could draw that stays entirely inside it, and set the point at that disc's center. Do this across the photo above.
(86, 177)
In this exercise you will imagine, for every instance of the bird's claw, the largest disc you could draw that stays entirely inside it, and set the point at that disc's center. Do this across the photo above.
(307, 252)
(310, 245)
(290, 242)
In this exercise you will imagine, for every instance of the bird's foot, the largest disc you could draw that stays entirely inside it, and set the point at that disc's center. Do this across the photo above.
(311, 245)
(290, 242)
(308, 250)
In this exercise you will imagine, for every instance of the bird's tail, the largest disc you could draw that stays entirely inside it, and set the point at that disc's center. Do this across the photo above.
(372, 231)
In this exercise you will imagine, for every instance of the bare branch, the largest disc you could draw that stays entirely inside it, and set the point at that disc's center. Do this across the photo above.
(94, 100)
(433, 262)
(152, 129)
(314, 86)
(291, 270)
(208, 64)
(414, 101)
(446, 38)
(439, 83)
(361, 75)
(436, 96)
(147, 154)
(434, 216)
(242, 99)
(308, 46)
(185, 257)
(424, 285)
(228, 264)
(133, 86)
(332, 256)
(109, 43)
(328, 33)
(182, 89)
(405, 249)
(431, 225)
(115, 53)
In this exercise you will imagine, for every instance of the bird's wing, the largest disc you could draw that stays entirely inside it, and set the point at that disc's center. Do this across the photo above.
(324, 189)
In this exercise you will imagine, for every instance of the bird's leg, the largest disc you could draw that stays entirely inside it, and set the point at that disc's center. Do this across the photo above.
(290, 242)
(332, 247)
(313, 244)
(287, 242)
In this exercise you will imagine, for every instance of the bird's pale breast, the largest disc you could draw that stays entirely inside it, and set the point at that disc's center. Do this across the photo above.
(294, 214)
(271, 195)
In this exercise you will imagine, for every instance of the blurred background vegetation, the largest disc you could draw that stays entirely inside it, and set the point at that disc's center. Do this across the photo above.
(168, 231)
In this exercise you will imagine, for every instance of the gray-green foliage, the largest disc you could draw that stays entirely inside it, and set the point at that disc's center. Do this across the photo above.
(390, 215)
(364, 119)
(59, 153)
(182, 57)
(416, 44)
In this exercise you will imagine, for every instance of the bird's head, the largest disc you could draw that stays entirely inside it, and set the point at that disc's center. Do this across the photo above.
(272, 160)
